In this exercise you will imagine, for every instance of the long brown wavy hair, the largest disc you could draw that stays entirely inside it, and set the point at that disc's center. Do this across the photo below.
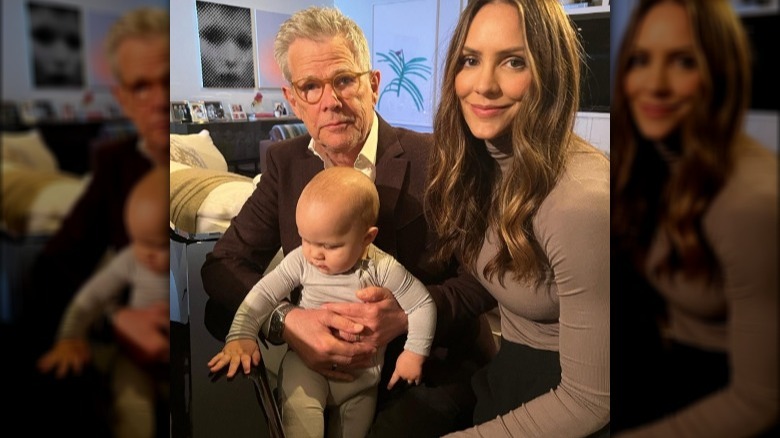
(645, 196)
(466, 193)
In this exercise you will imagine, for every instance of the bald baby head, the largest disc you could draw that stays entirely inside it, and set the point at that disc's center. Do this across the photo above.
(346, 189)
(147, 219)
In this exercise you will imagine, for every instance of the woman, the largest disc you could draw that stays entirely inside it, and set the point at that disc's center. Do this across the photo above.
(524, 203)
(695, 217)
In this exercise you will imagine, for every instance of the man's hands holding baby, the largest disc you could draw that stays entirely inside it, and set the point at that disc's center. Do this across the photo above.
(346, 335)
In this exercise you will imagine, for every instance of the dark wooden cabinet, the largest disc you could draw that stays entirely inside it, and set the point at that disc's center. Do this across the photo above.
(239, 141)
(72, 142)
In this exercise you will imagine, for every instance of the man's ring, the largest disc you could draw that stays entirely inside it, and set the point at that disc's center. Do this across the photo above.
(334, 366)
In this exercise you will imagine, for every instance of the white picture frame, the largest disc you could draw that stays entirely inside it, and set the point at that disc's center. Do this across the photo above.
(198, 111)
(237, 112)
(215, 111)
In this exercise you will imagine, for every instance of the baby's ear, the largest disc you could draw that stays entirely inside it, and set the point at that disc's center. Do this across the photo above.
(370, 235)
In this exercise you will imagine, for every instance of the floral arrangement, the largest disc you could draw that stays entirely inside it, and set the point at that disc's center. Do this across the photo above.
(88, 98)
(257, 100)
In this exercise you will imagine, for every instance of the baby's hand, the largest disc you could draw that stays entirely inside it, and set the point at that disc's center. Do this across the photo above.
(240, 351)
(408, 367)
(66, 355)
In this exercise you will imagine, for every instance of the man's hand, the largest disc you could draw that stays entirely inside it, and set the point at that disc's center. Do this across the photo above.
(310, 333)
(67, 355)
(379, 313)
(144, 333)
(244, 352)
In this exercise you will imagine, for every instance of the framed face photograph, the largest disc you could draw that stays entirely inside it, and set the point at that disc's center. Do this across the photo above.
(214, 111)
(198, 112)
(180, 112)
(56, 45)
(226, 46)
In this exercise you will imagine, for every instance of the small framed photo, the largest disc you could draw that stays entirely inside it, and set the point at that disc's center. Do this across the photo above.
(67, 111)
(36, 111)
(214, 111)
(180, 112)
(9, 114)
(280, 110)
(237, 112)
(198, 111)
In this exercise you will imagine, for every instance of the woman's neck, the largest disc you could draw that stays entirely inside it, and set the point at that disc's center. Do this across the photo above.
(501, 151)
(669, 149)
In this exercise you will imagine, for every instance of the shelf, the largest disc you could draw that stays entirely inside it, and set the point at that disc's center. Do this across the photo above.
(753, 10)
(588, 11)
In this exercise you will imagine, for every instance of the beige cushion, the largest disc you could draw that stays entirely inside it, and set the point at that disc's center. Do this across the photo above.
(220, 205)
(197, 150)
(27, 149)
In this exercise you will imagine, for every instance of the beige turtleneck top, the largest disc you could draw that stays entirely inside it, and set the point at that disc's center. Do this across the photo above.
(569, 312)
(739, 316)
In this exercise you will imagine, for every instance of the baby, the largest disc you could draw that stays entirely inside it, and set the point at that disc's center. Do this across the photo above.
(143, 267)
(336, 216)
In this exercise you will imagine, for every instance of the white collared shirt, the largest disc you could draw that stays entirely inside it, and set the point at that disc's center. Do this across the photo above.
(366, 159)
(141, 145)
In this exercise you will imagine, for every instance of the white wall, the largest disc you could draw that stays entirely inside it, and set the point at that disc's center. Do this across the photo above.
(185, 52)
(592, 126)
(16, 77)
(447, 16)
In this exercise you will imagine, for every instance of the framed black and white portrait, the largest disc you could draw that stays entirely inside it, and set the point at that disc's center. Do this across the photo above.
(226, 46)
(180, 112)
(214, 111)
(56, 45)
(280, 110)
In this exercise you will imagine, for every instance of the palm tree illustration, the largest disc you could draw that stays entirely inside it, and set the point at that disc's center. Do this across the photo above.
(404, 71)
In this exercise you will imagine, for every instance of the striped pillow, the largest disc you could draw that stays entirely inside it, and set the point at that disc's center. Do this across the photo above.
(288, 130)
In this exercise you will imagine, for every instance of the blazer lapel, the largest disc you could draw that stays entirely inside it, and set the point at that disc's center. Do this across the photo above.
(391, 170)
(307, 163)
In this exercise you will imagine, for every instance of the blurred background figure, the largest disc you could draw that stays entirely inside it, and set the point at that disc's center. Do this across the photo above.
(57, 41)
(141, 266)
(226, 45)
(92, 233)
(694, 230)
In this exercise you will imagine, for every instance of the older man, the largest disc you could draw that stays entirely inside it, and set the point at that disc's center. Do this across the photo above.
(324, 56)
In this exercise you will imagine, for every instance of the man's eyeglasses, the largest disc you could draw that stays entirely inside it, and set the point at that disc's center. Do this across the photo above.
(143, 90)
(345, 84)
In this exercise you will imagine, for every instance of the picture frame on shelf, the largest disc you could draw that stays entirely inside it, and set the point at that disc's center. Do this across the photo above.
(36, 111)
(280, 109)
(9, 114)
(237, 112)
(67, 111)
(180, 112)
(198, 111)
(214, 111)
